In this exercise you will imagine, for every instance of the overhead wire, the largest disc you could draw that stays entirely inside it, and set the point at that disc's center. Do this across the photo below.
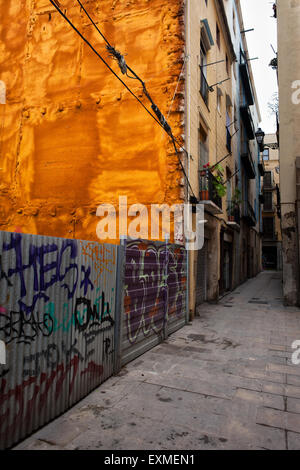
(101, 58)
(160, 119)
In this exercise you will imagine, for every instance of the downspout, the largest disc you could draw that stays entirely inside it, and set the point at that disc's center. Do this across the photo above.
(188, 131)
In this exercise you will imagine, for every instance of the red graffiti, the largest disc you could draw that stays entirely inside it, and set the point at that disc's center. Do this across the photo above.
(42, 387)
(93, 369)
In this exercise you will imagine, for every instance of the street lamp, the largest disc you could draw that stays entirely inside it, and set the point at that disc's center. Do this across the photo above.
(260, 136)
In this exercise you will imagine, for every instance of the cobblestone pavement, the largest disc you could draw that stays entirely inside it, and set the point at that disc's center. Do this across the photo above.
(224, 382)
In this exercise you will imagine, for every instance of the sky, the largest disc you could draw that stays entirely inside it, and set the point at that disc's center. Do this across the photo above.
(258, 14)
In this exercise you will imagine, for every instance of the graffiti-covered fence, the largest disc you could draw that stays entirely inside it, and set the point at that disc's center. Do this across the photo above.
(71, 313)
(57, 309)
(154, 299)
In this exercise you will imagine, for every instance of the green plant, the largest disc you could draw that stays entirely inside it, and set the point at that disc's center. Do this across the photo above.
(236, 198)
(235, 201)
(219, 186)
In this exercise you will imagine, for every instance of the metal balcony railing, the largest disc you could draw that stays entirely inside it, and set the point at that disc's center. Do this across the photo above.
(204, 88)
(269, 180)
(269, 207)
(234, 213)
(248, 160)
(249, 214)
(270, 236)
(207, 188)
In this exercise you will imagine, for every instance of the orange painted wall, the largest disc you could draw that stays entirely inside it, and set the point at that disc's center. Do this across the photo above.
(71, 136)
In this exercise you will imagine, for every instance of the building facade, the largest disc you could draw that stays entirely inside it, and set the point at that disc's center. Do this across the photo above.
(73, 137)
(226, 120)
(272, 241)
(288, 15)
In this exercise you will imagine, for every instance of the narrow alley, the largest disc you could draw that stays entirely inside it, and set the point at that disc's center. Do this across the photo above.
(224, 382)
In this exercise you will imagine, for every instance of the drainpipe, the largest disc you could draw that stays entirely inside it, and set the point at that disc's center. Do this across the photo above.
(188, 129)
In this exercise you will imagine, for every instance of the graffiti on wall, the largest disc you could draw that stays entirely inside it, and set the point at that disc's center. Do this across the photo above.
(57, 302)
(155, 278)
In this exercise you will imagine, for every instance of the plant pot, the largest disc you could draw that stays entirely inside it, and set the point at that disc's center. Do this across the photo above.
(204, 195)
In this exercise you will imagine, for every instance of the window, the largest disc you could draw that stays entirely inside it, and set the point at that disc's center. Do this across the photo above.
(218, 37)
(233, 21)
(266, 154)
(268, 227)
(203, 73)
(234, 70)
(219, 94)
(227, 65)
(235, 117)
(268, 179)
(268, 200)
(203, 147)
(228, 134)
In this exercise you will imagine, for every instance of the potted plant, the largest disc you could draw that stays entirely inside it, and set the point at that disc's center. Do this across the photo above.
(204, 193)
(234, 204)
(218, 184)
(231, 209)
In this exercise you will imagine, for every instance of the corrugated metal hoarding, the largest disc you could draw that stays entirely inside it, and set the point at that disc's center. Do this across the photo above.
(177, 285)
(71, 313)
(154, 297)
(57, 314)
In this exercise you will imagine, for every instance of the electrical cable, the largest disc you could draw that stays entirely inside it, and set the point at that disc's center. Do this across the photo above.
(101, 58)
(123, 66)
(110, 48)
(161, 120)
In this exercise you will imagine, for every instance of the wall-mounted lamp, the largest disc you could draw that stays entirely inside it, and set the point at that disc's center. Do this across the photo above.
(260, 136)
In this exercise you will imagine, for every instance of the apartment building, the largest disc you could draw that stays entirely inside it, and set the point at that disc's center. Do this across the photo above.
(272, 242)
(288, 15)
(228, 120)
(74, 137)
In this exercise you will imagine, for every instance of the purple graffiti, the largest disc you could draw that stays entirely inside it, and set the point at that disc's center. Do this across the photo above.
(44, 274)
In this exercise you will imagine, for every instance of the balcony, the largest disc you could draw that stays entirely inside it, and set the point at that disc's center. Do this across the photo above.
(208, 195)
(245, 78)
(269, 181)
(248, 161)
(204, 87)
(234, 217)
(270, 236)
(269, 207)
(248, 122)
(249, 214)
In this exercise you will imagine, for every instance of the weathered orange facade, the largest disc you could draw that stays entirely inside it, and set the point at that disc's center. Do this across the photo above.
(71, 136)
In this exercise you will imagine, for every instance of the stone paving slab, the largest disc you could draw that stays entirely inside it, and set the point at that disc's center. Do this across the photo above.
(226, 381)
